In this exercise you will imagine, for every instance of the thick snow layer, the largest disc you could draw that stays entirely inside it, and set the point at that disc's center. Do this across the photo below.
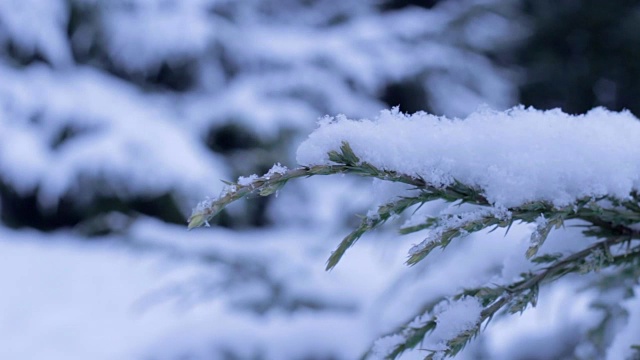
(514, 156)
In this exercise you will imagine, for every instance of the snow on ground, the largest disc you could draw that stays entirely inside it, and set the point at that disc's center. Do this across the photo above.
(63, 299)
(163, 293)
(170, 294)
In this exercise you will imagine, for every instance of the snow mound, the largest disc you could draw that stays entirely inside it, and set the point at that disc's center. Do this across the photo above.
(514, 156)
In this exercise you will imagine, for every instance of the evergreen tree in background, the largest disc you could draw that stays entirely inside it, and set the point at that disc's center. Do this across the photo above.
(574, 55)
(247, 79)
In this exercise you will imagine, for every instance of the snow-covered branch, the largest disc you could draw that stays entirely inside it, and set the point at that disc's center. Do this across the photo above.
(495, 168)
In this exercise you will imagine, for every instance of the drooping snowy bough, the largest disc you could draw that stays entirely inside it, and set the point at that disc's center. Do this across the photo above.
(494, 168)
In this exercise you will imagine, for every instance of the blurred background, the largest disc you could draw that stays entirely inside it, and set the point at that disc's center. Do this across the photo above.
(117, 117)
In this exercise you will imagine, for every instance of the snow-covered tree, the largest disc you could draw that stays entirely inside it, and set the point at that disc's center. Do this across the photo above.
(117, 116)
(98, 87)
(575, 176)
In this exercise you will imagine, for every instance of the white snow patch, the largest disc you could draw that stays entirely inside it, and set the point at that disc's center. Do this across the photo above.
(276, 169)
(36, 26)
(120, 137)
(385, 345)
(454, 318)
(514, 157)
(247, 180)
(156, 31)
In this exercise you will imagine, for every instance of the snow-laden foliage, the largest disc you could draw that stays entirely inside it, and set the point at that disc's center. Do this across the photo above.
(65, 133)
(94, 79)
(517, 156)
(109, 109)
(495, 169)
(36, 27)
(289, 60)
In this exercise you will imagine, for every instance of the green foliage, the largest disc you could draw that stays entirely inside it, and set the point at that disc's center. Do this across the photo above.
(606, 218)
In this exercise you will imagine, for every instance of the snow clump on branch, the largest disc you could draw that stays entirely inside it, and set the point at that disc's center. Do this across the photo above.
(516, 156)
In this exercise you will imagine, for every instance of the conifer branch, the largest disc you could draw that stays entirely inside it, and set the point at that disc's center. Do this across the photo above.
(512, 298)
(607, 218)
(346, 163)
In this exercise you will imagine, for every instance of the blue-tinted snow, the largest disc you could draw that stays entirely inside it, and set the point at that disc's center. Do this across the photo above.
(159, 292)
(130, 141)
(513, 157)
